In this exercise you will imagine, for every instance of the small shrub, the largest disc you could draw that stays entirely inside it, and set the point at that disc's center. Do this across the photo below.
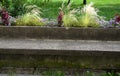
(59, 73)
(87, 21)
(85, 17)
(88, 16)
(69, 18)
(88, 73)
(31, 18)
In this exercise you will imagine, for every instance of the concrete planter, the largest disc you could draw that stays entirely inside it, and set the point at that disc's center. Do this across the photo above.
(60, 33)
(58, 47)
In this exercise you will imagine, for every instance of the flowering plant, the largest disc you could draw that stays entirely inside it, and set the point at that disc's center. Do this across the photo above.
(4, 16)
(115, 22)
(117, 19)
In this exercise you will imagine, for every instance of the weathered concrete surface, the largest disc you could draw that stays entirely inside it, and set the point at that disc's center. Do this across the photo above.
(51, 47)
(60, 33)
(59, 53)
(67, 72)
(42, 46)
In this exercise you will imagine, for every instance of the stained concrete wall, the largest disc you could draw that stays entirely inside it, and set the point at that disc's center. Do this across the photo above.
(60, 33)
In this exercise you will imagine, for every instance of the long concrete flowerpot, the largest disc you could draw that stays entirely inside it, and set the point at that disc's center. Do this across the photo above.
(58, 47)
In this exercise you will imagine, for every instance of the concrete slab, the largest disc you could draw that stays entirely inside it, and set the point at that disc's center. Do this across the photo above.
(44, 44)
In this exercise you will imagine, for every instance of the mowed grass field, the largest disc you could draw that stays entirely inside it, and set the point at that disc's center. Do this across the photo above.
(107, 8)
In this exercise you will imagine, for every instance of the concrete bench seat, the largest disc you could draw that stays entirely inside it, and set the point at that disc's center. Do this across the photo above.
(42, 46)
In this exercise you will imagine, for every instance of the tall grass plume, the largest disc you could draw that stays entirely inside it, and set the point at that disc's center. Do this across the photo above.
(31, 18)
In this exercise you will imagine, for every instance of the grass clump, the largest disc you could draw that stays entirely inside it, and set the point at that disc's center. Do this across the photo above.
(31, 18)
(88, 16)
(85, 17)
(86, 73)
(68, 73)
(69, 18)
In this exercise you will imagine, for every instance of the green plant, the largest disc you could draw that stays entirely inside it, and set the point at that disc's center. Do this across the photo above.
(88, 16)
(58, 73)
(15, 7)
(109, 74)
(69, 18)
(53, 73)
(31, 18)
(85, 17)
(118, 74)
(61, 73)
(11, 73)
(88, 73)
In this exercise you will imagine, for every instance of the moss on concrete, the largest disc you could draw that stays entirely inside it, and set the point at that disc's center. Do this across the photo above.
(94, 62)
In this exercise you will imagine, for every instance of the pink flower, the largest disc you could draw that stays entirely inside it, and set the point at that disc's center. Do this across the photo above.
(60, 17)
(117, 18)
(5, 16)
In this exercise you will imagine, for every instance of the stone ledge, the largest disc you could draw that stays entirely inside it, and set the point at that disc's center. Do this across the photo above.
(59, 47)
(59, 53)
(60, 33)
(53, 44)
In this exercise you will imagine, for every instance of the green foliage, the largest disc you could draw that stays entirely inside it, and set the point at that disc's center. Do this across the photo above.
(59, 73)
(88, 16)
(85, 17)
(53, 73)
(11, 73)
(1, 6)
(109, 74)
(88, 73)
(31, 18)
(118, 74)
(108, 8)
(69, 18)
(17, 7)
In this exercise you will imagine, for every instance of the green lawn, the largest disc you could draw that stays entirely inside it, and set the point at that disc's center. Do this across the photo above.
(107, 8)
